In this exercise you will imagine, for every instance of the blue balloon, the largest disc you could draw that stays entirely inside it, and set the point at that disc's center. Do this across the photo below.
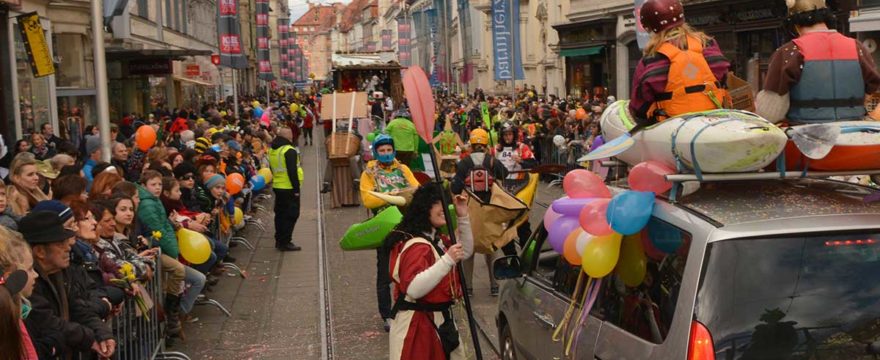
(665, 237)
(629, 211)
(258, 112)
(258, 182)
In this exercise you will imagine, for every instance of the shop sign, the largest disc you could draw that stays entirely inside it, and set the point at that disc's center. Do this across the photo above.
(35, 44)
(13, 4)
(193, 70)
(703, 20)
(755, 14)
(150, 67)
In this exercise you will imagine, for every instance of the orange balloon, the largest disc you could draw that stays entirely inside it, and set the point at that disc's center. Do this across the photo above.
(234, 183)
(581, 114)
(145, 137)
(569, 248)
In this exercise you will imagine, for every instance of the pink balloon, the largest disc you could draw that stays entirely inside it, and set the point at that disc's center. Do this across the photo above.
(649, 176)
(593, 218)
(581, 183)
(550, 217)
(568, 206)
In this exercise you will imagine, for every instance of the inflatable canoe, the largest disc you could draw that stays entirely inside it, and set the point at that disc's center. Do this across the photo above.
(857, 148)
(718, 141)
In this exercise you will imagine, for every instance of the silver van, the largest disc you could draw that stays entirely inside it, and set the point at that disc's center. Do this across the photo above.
(780, 269)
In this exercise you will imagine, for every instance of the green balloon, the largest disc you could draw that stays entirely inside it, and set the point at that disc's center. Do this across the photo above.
(371, 136)
(371, 234)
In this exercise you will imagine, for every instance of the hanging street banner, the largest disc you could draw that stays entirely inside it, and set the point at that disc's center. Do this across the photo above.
(264, 64)
(642, 35)
(386, 40)
(283, 26)
(431, 14)
(229, 32)
(506, 39)
(403, 37)
(464, 22)
(35, 44)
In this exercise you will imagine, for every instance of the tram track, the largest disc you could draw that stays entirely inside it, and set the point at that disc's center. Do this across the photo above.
(324, 303)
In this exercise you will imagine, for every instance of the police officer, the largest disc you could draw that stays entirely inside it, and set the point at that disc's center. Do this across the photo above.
(283, 158)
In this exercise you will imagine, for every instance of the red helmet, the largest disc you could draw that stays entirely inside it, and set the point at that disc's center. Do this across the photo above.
(659, 15)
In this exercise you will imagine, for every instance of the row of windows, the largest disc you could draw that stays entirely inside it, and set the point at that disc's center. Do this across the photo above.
(174, 12)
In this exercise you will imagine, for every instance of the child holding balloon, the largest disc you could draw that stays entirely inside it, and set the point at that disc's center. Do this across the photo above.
(195, 221)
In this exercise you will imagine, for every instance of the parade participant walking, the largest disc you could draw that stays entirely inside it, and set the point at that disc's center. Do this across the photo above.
(682, 71)
(821, 76)
(425, 280)
(286, 174)
(384, 175)
(406, 138)
(515, 156)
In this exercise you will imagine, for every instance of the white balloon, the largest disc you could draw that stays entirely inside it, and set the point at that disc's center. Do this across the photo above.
(558, 140)
(581, 242)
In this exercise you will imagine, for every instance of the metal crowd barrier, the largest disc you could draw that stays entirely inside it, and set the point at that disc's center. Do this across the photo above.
(142, 336)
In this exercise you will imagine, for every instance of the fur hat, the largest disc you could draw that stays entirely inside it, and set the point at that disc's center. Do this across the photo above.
(800, 6)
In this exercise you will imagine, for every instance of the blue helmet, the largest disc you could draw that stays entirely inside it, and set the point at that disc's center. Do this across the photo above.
(383, 139)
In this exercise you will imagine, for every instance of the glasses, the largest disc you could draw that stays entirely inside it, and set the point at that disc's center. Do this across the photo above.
(187, 177)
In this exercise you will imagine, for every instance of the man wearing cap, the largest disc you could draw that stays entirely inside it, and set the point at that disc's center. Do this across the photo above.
(822, 76)
(65, 318)
(93, 156)
(284, 162)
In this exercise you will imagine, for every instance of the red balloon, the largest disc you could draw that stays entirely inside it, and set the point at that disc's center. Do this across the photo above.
(234, 183)
(649, 176)
(145, 137)
(581, 183)
(593, 218)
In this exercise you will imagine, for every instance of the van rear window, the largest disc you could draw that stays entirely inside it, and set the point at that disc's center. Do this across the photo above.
(806, 297)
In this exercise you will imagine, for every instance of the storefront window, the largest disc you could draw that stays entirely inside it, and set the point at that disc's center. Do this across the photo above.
(75, 65)
(33, 93)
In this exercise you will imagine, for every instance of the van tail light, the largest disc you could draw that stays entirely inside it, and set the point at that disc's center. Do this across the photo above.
(700, 345)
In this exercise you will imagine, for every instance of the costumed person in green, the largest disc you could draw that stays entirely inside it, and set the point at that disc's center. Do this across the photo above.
(406, 138)
(448, 144)
(385, 175)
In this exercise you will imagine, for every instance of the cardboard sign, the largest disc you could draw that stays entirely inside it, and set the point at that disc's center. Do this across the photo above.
(343, 105)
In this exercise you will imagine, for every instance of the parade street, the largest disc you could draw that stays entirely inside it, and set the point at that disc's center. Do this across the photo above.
(321, 300)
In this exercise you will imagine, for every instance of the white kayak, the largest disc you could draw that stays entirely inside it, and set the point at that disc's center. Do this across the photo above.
(717, 141)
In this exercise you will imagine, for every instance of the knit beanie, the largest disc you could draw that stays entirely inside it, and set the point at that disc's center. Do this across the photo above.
(63, 211)
(202, 144)
(184, 168)
(215, 180)
(93, 143)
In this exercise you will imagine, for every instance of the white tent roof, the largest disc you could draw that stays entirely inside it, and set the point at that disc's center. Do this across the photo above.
(364, 59)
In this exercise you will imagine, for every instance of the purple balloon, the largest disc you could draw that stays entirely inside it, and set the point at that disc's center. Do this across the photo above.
(568, 206)
(550, 217)
(560, 230)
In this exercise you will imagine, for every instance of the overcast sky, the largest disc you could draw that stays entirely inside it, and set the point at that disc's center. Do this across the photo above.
(299, 7)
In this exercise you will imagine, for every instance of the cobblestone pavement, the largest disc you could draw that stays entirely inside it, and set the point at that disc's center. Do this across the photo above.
(277, 312)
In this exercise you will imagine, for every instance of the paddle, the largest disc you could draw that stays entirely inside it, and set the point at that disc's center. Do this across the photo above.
(421, 105)
(614, 147)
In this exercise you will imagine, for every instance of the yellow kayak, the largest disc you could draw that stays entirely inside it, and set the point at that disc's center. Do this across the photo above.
(528, 191)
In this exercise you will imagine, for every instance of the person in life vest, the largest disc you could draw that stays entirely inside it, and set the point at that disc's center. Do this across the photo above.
(515, 156)
(384, 174)
(426, 281)
(447, 143)
(479, 170)
(286, 176)
(821, 76)
(682, 71)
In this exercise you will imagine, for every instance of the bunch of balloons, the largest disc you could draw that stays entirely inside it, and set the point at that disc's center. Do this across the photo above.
(600, 232)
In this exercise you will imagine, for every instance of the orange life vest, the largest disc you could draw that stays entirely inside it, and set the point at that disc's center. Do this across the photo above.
(691, 86)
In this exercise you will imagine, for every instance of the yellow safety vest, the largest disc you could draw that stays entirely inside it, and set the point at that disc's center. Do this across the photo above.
(280, 180)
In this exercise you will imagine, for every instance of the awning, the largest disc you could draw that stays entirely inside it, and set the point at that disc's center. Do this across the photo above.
(193, 81)
(865, 22)
(118, 54)
(586, 51)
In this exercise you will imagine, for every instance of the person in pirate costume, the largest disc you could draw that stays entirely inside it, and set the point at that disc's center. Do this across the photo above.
(426, 282)
(384, 175)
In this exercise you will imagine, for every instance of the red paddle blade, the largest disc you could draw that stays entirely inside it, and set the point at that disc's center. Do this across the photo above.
(421, 101)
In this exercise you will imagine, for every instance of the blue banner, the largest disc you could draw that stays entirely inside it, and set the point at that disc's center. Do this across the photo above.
(505, 29)
(642, 35)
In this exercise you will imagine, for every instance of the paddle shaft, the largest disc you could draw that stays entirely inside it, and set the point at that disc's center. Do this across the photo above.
(464, 294)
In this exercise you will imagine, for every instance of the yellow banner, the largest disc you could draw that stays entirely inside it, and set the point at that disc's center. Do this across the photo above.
(35, 44)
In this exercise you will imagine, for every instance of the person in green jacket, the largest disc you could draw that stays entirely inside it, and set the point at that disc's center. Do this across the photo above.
(406, 138)
(151, 214)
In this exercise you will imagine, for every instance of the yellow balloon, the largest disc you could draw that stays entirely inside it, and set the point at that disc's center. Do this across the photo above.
(266, 173)
(194, 247)
(600, 255)
(238, 217)
(633, 263)
(294, 107)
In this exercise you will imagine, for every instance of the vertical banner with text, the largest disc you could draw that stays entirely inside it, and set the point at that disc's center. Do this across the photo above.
(264, 65)
(229, 35)
(292, 45)
(403, 41)
(505, 40)
(283, 26)
(35, 44)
